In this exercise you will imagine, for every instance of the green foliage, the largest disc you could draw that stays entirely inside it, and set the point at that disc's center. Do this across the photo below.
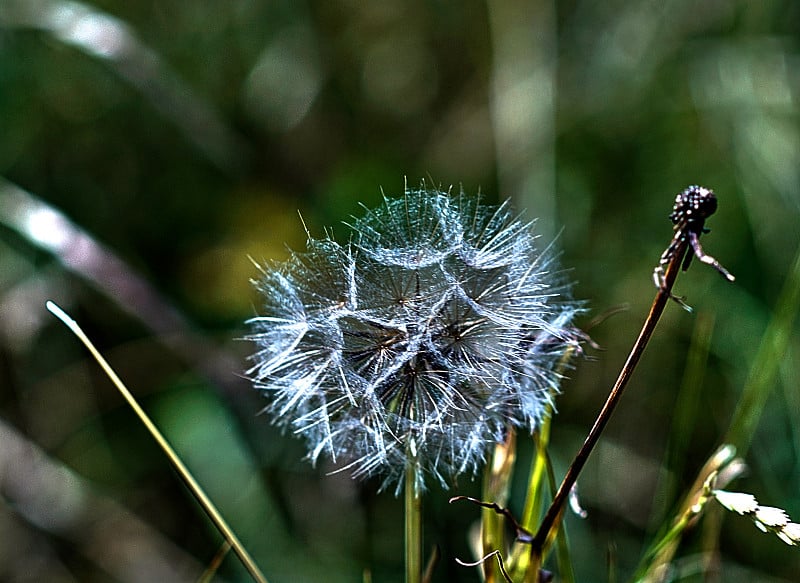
(182, 137)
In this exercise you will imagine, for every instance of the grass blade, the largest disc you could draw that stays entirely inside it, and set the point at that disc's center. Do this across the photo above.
(186, 476)
(766, 365)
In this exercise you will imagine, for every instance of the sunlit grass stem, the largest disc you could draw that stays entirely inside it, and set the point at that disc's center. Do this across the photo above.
(653, 567)
(496, 486)
(183, 472)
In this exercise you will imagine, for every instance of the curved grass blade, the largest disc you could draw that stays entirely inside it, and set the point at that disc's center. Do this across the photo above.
(183, 472)
(766, 364)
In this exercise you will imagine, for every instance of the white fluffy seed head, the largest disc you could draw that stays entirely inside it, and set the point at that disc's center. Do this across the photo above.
(420, 342)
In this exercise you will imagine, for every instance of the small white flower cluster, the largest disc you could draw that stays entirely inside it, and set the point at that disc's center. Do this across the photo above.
(419, 343)
(766, 518)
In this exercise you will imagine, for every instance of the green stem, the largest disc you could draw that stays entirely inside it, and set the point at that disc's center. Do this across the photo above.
(413, 524)
(497, 479)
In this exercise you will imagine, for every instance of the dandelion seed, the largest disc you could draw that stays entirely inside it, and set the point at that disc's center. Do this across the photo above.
(420, 342)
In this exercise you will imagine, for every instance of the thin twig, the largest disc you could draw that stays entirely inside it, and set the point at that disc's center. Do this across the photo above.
(692, 207)
(662, 297)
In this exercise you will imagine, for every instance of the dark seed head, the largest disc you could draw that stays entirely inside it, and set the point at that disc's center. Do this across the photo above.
(693, 206)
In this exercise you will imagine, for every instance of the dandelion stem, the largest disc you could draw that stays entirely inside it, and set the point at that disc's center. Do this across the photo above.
(413, 524)
(555, 511)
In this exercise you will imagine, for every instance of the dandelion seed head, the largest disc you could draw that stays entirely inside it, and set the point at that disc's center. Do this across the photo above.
(421, 341)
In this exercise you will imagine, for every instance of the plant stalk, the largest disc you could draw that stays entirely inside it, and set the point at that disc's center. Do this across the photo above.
(497, 482)
(556, 509)
(413, 524)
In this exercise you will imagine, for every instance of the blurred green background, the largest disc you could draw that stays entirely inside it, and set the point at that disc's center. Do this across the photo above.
(148, 149)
